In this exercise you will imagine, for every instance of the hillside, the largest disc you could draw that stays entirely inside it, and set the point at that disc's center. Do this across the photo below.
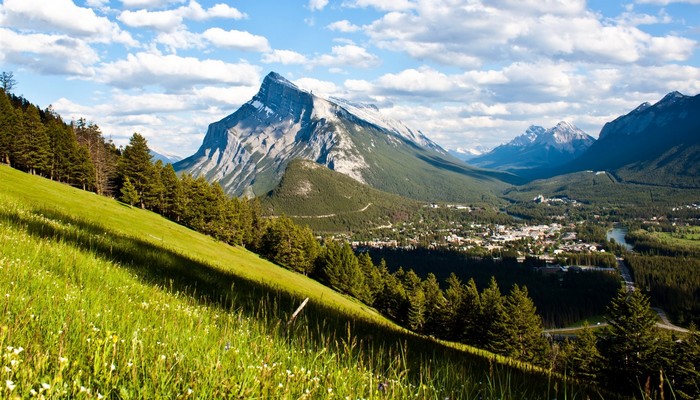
(603, 189)
(103, 299)
(327, 200)
(248, 151)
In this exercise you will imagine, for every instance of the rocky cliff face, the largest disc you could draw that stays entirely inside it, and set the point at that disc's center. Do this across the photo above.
(248, 151)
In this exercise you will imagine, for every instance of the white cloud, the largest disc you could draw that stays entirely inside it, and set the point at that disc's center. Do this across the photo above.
(421, 82)
(50, 54)
(468, 34)
(158, 20)
(323, 88)
(383, 5)
(344, 26)
(168, 20)
(148, 3)
(180, 39)
(61, 16)
(348, 56)
(285, 57)
(237, 40)
(667, 2)
(317, 5)
(174, 72)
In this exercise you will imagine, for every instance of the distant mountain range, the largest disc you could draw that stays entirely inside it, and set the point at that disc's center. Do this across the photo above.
(655, 144)
(164, 157)
(537, 147)
(248, 151)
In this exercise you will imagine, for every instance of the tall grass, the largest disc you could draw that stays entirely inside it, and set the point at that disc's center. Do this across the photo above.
(94, 309)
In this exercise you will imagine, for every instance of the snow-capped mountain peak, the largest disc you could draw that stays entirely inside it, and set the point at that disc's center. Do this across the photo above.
(247, 151)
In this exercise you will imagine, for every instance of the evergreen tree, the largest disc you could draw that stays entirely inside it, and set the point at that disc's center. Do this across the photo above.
(471, 314)
(687, 366)
(632, 341)
(373, 277)
(129, 194)
(495, 332)
(583, 356)
(171, 191)
(435, 303)
(455, 296)
(416, 308)
(9, 127)
(103, 154)
(523, 328)
(135, 164)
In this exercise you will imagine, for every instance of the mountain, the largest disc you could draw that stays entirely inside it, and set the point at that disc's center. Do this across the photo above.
(465, 154)
(537, 147)
(326, 200)
(164, 157)
(655, 144)
(248, 151)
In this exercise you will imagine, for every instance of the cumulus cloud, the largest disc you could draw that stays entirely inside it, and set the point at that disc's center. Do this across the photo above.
(51, 54)
(383, 5)
(323, 88)
(344, 26)
(168, 20)
(467, 33)
(61, 16)
(317, 5)
(285, 57)
(148, 3)
(237, 40)
(348, 56)
(174, 72)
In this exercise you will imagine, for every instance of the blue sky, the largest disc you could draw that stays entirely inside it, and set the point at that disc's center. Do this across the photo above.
(468, 73)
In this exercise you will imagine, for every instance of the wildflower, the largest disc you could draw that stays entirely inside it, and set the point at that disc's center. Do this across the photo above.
(10, 385)
(189, 391)
(280, 385)
(112, 367)
(18, 350)
(33, 392)
(45, 386)
(382, 386)
(330, 390)
(228, 346)
(62, 360)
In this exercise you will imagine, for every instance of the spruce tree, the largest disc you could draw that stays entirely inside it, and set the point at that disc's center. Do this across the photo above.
(9, 128)
(523, 328)
(135, 164)
(129, 194)
(632, 340)
(495, 331)
(586, 360)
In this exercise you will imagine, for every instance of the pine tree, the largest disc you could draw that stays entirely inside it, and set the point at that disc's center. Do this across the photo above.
(103, 154)
(523, 328)
(495, 332)
(632, 340)
(373, 278)
(687, 366)
(129, 194)
(455, 296)
(9, 127)
(435, 303)
(471, 314)
(416, 308)
(135, 164)
(171, 190)
(583, 356)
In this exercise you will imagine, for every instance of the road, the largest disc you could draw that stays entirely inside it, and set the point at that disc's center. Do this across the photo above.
(629, 284)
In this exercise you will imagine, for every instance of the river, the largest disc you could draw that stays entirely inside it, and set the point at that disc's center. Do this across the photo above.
(618, 234)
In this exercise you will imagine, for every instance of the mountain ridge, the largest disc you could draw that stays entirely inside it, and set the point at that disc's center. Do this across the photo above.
(537, 147)
(247, 152)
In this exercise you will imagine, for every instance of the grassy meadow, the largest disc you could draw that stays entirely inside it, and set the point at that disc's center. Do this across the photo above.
(101, 300)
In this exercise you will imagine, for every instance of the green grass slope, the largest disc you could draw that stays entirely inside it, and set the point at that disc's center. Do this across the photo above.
(105, 300)
(329, 201)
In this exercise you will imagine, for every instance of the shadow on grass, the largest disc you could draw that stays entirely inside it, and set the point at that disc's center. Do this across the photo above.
(322, 325)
